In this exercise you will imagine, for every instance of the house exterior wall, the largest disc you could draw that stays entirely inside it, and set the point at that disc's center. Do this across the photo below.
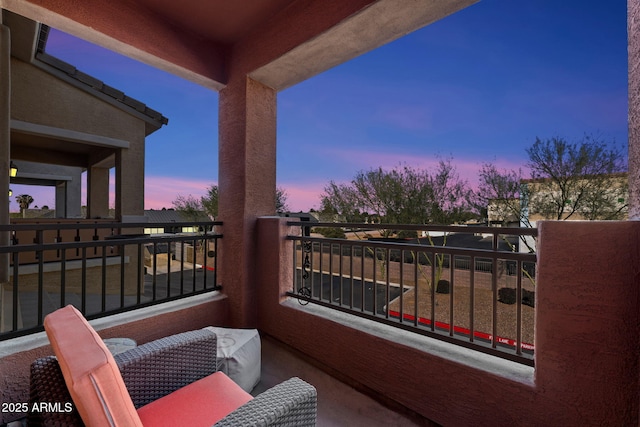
(97, 192)
(67, 181)
(503, 211)
(633, 34)
(42, 98)
(586, 338)
(539, 192)
(38, 97)
(5, 138)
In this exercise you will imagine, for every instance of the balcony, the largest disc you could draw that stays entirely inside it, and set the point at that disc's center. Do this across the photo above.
(339, 403)
(587, 302)
(584, 319)
(471, 286)
(102, 267)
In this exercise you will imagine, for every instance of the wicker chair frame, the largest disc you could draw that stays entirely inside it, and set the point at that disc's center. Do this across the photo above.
(160, 367)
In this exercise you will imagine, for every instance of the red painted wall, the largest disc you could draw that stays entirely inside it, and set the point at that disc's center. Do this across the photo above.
(586, 338)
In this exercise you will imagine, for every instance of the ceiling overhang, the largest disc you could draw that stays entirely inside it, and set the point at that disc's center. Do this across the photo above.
(46, 144)
(277, 42)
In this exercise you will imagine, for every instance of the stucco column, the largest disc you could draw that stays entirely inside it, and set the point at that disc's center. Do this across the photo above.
(97, 192)
(633, 34)
(247, 185)
(130, 205)
(5, 140)
(587, 318)
(130, 183)
(61, 199)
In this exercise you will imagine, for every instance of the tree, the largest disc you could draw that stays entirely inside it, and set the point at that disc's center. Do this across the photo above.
(403, 195)
(24, 200)
(209, 202)
(498, 195)
(338, 203)
(190, 207)
(576, 179)
(583, 179)
(281, 200)
(450, 201)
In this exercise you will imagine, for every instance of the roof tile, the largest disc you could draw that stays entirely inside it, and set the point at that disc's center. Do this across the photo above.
(113, 92)
(87, 79)
(91, 81)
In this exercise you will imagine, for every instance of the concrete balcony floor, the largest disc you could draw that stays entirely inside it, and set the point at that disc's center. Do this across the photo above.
(339, 404)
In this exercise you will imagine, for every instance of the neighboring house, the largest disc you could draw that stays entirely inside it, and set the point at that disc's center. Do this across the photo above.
(39, 213)
(61, 123)
(158, 219)
(503, 212)
(304, 216)
(601, 197)
(67, 181)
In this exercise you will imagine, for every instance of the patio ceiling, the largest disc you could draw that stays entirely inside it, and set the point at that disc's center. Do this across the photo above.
(277, 42)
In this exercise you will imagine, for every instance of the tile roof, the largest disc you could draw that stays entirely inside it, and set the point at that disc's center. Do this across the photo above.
(93, 83)
(170, 215)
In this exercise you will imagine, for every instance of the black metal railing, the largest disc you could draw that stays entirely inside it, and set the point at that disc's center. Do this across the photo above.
(467, 285)
(100, 267)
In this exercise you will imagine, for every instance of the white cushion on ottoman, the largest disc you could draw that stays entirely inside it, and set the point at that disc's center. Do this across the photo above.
(239, 355)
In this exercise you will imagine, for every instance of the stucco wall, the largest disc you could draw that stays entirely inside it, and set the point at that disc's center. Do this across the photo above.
(247, 183)
(633, 19)
(41, 98)
(586, 338)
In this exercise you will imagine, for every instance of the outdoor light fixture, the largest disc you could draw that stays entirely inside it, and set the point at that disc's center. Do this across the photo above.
(13, 170)
(10, 192)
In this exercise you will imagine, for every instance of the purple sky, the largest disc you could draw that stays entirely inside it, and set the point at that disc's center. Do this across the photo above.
(478, 86)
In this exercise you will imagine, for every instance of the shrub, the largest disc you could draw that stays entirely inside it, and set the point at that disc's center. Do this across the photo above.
(529, 298)
(407, 234)
(330, 232)
(508, 296)
(443, 287)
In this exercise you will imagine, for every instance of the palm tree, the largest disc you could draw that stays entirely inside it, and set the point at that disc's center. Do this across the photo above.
(24, 200)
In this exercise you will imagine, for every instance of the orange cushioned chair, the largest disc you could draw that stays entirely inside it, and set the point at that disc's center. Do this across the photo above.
(102, 397)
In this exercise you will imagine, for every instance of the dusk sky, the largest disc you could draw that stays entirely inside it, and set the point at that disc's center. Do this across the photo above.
(478, 86)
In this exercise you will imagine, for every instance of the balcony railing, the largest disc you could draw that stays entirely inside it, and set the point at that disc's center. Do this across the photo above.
(100, 267)
(470, 286)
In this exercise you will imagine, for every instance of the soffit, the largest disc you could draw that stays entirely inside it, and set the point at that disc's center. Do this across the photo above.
(277, 42)
(52, 151)
(221, 21)
(44, 144)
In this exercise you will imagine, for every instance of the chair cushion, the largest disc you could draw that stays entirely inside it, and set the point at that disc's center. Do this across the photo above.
(89, 370)
(202, 403)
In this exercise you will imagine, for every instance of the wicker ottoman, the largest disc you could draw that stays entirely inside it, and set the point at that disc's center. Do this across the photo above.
(239, 355)
(119, 345)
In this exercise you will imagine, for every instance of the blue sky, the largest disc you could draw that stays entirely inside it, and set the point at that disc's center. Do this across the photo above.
(478, 86)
